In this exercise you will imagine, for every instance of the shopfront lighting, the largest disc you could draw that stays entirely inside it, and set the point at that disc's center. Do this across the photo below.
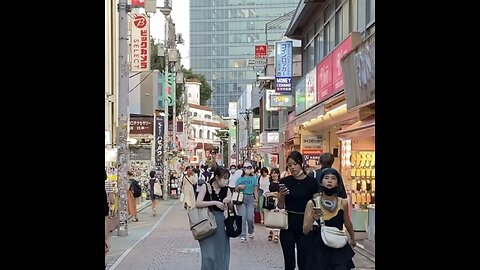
(132, 141)
(328, 115)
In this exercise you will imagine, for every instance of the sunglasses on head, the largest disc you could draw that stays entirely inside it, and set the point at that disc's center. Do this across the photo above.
(248, 167)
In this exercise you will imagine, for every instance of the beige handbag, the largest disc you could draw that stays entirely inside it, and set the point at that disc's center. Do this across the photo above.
(276, 219)
(157, 188)
(237, 197)
(202, 221)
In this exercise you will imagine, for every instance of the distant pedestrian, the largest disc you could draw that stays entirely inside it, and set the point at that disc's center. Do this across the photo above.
(248, 184)
(154, 197)
(131, 200)
(189, 183)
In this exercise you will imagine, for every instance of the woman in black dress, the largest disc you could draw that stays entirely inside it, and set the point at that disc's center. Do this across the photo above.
(334, 211)
(296, 191)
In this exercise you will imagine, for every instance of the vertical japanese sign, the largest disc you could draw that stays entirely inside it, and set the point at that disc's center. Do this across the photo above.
(169, 84)
(158, 140)
(283, 66)
(140, 43)
(272, 160)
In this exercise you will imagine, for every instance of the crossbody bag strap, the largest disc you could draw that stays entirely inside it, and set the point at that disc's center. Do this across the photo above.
(322, 222)
(185, 176)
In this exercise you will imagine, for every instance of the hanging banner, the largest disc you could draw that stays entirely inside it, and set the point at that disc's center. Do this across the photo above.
(158, 139)
(140, 39)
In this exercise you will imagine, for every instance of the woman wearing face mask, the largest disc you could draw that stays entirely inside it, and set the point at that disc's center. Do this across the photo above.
(335, 214)
(296, 191)
(248, 184)
(215, 249)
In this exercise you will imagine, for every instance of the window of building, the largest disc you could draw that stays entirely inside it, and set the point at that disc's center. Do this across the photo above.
(329, 11)
(353, 15)
(208, 134)
(338, 26)
(346, 19)
(361, 15)
(200, 134)
(195, 114)
(194, 133)
(319, 47)
(326, 39)
(370, 11)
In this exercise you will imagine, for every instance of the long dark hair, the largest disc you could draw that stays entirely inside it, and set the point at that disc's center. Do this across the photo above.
(277, 170)
(341, 192)
(298, 158)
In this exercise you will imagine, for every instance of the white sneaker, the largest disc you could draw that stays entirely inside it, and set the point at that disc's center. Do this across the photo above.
(251, 235)
(242, 239)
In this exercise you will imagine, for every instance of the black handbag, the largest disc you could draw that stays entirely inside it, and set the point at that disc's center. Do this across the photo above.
(233, 224)
(269, 203)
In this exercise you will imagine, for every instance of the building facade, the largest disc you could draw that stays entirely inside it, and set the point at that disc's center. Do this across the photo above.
(223, 35)
(335, 99)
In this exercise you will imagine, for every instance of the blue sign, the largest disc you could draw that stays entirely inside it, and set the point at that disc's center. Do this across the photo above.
(283, 66)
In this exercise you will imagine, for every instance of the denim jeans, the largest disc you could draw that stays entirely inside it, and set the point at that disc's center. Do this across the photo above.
(247, 213)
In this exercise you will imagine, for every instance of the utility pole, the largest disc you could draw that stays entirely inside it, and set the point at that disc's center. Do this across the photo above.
(247, 119)
(123, 154)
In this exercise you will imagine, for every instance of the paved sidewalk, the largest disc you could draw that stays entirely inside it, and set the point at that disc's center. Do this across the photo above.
(165, 242)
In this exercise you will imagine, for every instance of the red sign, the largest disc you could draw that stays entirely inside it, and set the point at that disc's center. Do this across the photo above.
(329, 71)
(260, 51)
(138, 3)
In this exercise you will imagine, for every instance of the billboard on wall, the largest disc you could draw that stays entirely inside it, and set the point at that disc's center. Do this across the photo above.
(283, 66)
(140, 43)
(359, 73)
(310, 89)
(141, 125)
(268, 94)
(300, 96)
(281, 101)
(329, 70)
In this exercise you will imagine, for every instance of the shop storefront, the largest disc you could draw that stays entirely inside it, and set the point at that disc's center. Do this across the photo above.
(358, 139)
(140, 144)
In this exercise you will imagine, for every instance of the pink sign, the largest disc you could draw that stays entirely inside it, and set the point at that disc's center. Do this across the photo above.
(329, 71)
(324, 79)
(337, 54)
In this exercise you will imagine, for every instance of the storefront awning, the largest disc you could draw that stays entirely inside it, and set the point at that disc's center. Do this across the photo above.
(206, 146)
(363, 128)
(267, 149)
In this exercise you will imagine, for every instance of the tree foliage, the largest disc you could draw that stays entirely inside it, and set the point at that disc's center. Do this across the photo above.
(158, 63)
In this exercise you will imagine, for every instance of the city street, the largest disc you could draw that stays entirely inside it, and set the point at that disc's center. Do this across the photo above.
(165, 242)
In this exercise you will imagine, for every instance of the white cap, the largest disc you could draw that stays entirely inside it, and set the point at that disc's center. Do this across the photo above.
(247, 164)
